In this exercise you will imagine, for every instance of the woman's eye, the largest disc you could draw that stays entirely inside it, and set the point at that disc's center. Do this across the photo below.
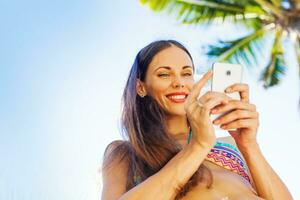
(163, 75)
(187, 74)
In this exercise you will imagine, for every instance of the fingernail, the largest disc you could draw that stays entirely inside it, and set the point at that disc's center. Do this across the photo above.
(210, 72)
(214, 110)
(223, 127)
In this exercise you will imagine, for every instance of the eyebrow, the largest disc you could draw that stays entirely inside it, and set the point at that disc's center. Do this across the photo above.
(169, 68)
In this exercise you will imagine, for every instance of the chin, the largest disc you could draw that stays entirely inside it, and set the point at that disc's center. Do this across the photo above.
(176, 112)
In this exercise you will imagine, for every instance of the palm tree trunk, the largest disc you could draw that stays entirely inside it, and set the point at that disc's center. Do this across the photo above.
(294, 23)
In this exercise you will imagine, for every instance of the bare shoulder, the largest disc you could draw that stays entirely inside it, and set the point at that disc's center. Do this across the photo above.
(111, 147)
(114, 170)
(115, 156)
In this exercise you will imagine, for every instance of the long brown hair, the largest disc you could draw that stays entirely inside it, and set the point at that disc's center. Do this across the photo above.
(147, 146)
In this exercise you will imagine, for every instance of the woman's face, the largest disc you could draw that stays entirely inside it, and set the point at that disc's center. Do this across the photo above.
(169, 79)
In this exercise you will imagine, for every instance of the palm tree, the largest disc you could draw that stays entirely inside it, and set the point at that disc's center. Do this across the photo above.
(276, 19)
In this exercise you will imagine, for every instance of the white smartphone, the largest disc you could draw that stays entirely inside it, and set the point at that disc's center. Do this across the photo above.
(225, 75)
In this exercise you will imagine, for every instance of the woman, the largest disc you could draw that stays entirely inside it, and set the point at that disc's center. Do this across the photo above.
(171, 150)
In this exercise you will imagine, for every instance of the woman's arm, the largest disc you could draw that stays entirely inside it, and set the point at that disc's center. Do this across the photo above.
(267, 182)
(244, 119)
(165, 183)
(176, 173)
(161, 186)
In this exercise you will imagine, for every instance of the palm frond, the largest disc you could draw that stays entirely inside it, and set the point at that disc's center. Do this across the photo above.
(277, 3)
(244, 50)
(157, 5)
(275, 69)
(206, 11)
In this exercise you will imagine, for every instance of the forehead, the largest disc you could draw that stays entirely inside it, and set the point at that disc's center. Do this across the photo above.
(173, 57)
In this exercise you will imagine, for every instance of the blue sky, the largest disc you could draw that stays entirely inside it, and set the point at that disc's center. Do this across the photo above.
(63, 65)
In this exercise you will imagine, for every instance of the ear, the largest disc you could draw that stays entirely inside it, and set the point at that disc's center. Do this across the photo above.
(141, 88)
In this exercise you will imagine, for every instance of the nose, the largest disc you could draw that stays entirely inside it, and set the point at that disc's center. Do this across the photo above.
(178, 82)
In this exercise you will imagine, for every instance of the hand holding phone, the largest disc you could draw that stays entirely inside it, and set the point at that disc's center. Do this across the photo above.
(225, 75)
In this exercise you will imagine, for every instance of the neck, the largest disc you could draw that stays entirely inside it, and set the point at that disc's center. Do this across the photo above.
(178, 128)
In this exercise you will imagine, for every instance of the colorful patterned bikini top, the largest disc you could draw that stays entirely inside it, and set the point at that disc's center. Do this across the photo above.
(224, 155)
(229, 157)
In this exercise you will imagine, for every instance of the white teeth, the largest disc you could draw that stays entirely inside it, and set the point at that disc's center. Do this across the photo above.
(177, 97)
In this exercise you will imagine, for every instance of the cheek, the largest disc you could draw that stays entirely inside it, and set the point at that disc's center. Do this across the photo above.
(157, 91)
(158, 88)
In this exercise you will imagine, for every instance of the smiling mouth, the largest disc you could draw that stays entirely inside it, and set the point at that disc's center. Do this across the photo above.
(177, 98)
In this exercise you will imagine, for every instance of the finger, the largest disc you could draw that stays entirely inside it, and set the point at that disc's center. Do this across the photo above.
(206, 106)
(243, 89)
(241, 123)
(211, 103)
(198, 86)
(192, 107)
(235, 115)
(210, 95)
(197, 110)
(234, 104)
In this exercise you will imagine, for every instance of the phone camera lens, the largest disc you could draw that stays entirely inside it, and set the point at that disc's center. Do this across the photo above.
(228, 72)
